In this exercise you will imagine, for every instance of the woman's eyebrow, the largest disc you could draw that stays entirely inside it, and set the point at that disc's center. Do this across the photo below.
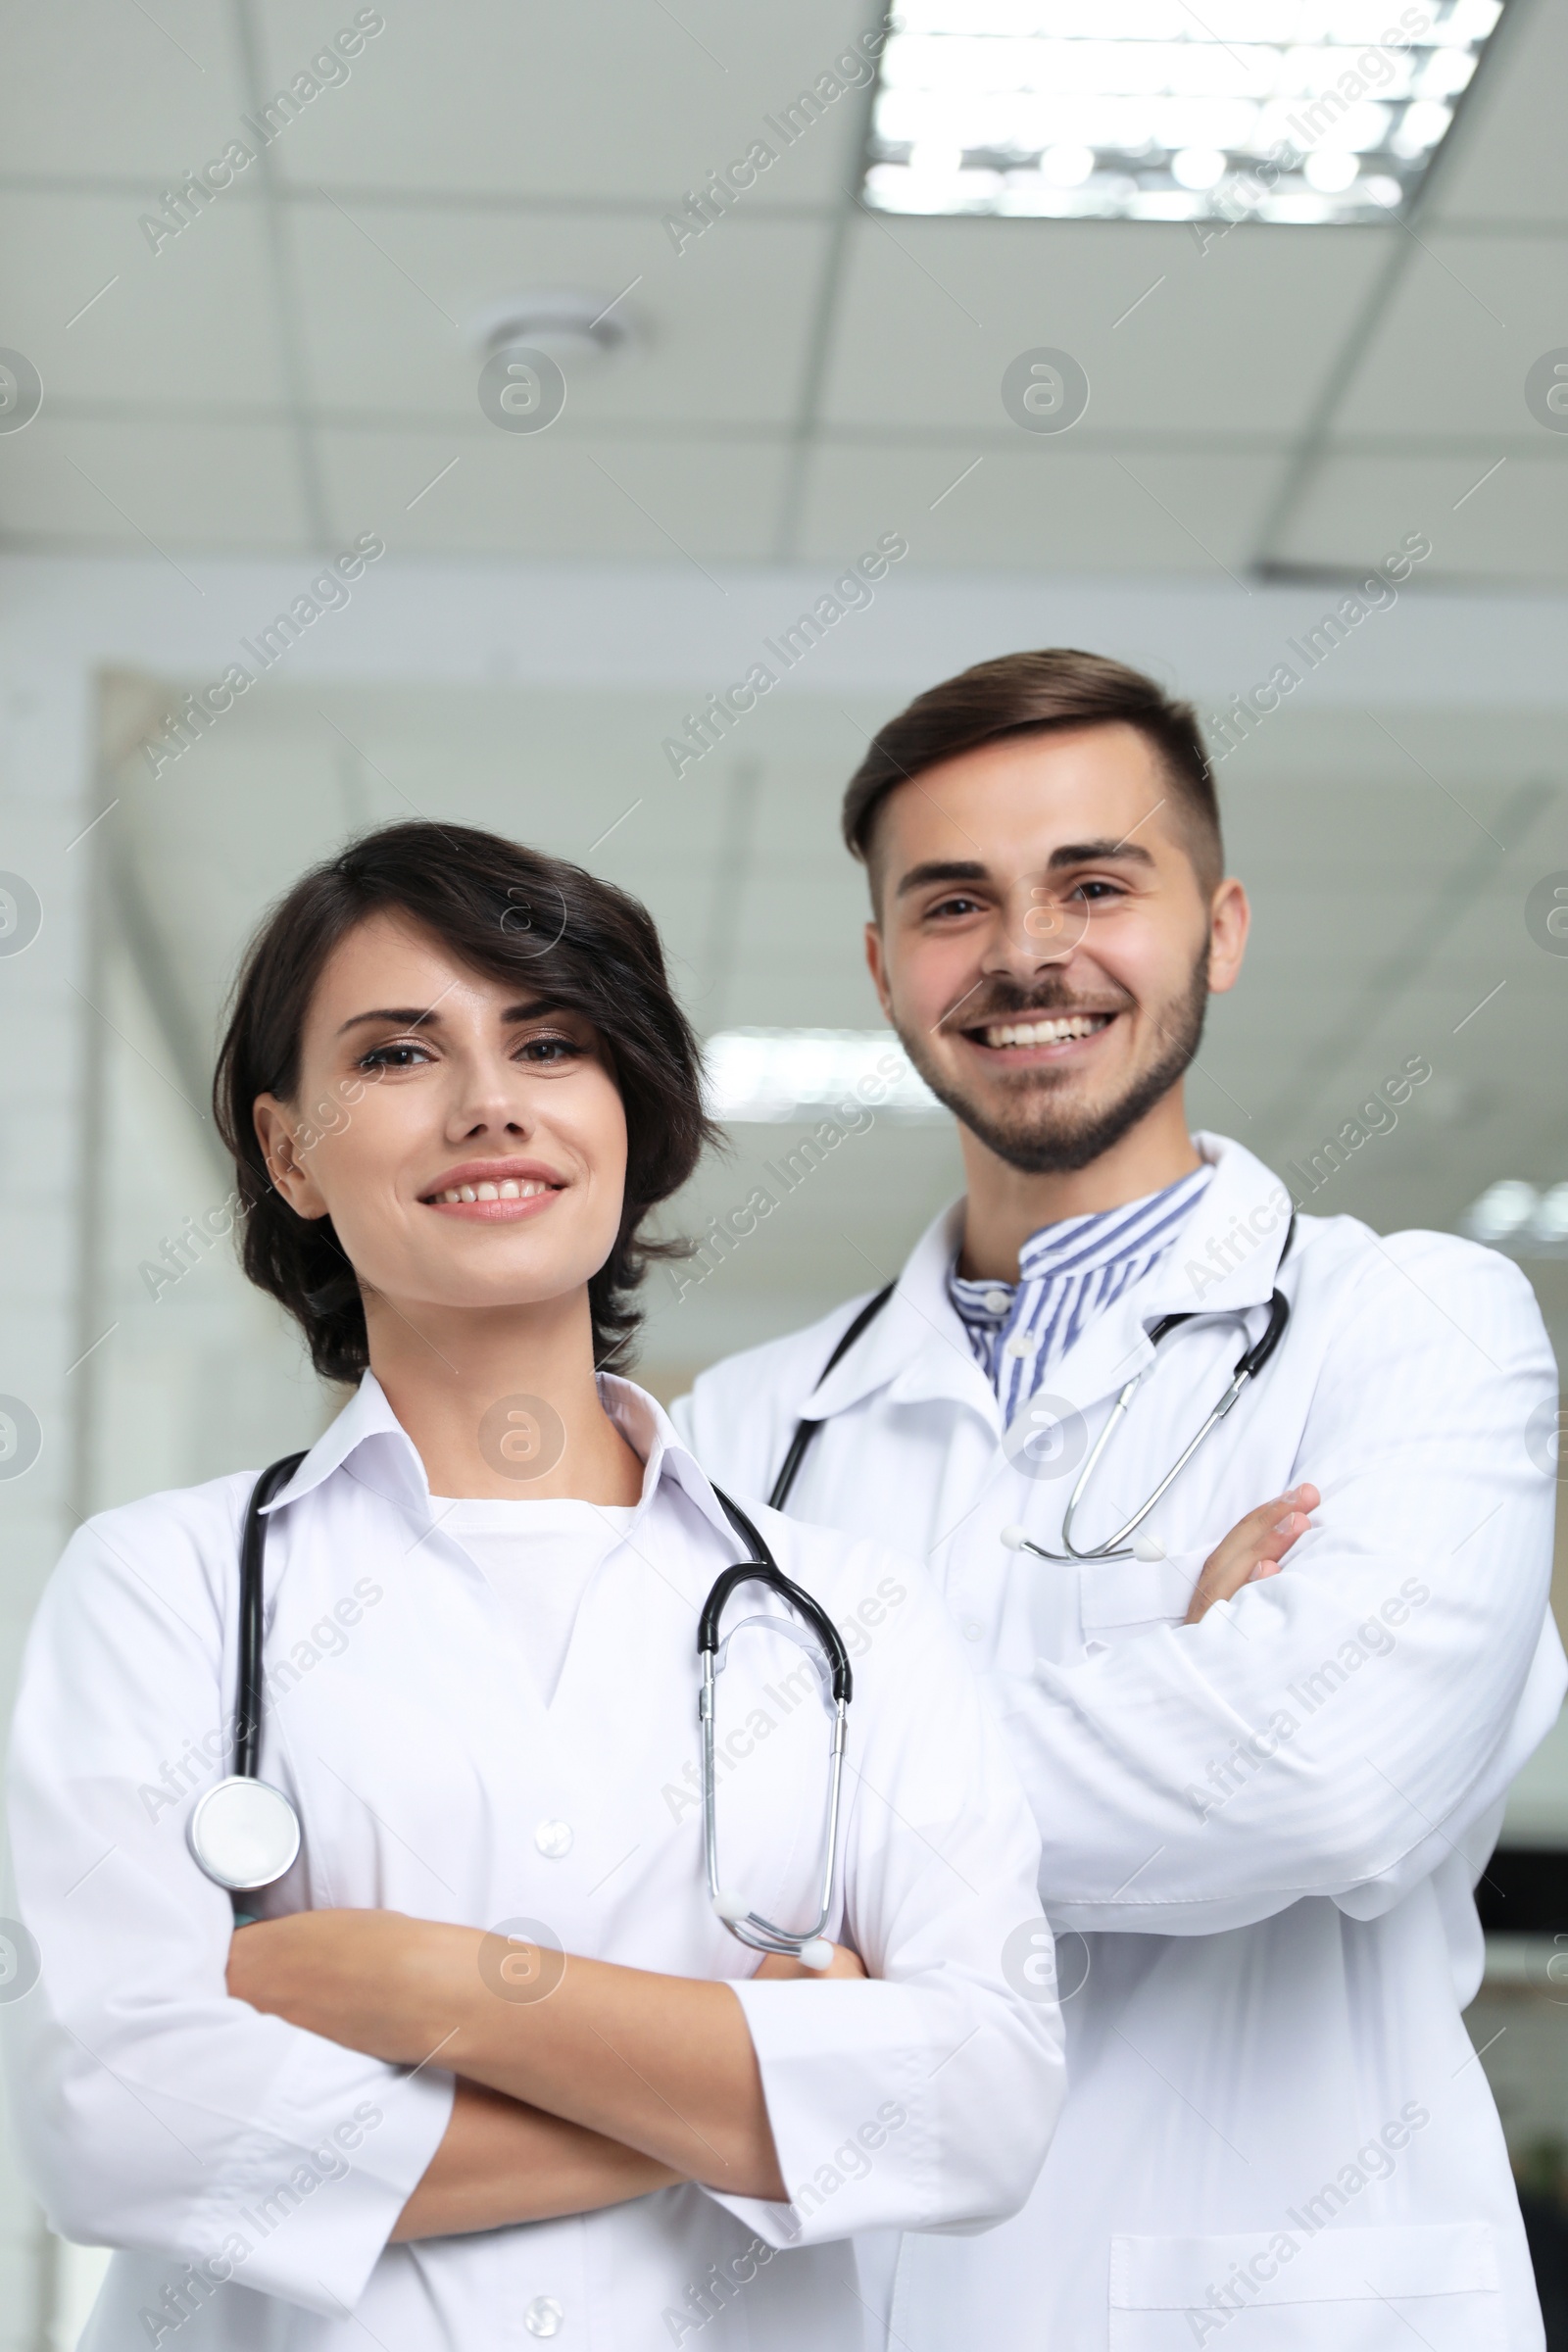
(401, 1016)
(404, 1016)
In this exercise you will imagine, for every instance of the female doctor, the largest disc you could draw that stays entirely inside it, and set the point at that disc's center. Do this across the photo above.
(490, 2068)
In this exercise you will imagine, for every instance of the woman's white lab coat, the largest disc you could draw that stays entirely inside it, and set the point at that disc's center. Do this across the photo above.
(1260, 1833)
(214, 2144)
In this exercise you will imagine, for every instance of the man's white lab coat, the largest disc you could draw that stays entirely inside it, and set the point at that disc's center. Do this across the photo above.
(1260, 1833)
(249, 2171)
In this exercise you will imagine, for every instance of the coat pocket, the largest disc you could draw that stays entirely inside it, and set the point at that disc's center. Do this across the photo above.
(1349, 2289)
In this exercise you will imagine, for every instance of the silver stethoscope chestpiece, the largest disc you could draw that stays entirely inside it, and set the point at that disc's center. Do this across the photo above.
(244, 1832)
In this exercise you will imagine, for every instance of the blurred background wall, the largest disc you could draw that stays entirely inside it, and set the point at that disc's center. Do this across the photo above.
(208, 391)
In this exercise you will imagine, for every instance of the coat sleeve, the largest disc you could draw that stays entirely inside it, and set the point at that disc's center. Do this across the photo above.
(154, 2112)
(1338, 1729)
(926, 2098)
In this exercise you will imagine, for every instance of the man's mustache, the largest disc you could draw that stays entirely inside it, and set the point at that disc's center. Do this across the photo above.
(1003, 1004)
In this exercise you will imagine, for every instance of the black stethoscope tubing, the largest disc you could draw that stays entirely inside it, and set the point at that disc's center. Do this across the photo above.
(1249, 1365)
(211, 1834)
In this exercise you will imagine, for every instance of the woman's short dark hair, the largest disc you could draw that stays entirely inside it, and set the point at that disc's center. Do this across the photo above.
(1036, 694)
(513, 913)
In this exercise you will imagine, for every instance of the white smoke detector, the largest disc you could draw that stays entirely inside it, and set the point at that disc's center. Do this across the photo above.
(571, 326)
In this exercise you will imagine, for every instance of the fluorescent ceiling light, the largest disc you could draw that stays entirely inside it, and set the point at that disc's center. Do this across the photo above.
(770, 1076)
(1148, 110)
(1515, 1216)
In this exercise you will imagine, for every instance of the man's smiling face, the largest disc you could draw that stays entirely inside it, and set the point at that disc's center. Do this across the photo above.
(1048, 937)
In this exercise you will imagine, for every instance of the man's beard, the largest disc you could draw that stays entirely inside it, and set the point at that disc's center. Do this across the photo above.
(1042, 1139)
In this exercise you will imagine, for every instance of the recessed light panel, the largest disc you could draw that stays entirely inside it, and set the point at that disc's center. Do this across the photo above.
(772, 1076)
(1300, 110)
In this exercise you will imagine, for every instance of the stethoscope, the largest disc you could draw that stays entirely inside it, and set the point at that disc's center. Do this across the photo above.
(1248, 1367)
(245, 1834)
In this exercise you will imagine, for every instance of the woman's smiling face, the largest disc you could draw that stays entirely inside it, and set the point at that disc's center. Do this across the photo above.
(465, 1135)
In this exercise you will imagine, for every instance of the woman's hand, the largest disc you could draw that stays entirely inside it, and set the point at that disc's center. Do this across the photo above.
(844, 1963)
(1253, 1548)
(368, 1979)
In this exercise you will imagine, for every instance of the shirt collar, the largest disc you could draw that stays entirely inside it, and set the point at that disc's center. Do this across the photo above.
(1084, 1245)
(917, 1348)
(368, 1436)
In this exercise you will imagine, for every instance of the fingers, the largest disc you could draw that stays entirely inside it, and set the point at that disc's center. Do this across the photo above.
(1253, 1548)
(782, 1967)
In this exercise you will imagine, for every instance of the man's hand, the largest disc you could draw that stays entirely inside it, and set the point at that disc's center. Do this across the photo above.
(844, 1963)
(1253, 1548)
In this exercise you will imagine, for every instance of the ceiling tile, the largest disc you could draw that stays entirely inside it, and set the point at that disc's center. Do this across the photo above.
(389, 295)
(1047, 508)
(99, 88)
(1510, 158)
(1512, 527)
(193, 322)
(1451, 354)
(539, 494)
(135, 486)
(1172, 335)
(616, 101)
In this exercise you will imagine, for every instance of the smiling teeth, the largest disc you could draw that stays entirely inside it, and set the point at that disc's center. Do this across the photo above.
(1046, 1033)
(511, 1188)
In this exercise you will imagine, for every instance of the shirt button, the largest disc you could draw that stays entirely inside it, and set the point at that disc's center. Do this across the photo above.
(972, 1629)
(997, 1302)
(1021, 1342)
(553, 1838)
(543, 2316)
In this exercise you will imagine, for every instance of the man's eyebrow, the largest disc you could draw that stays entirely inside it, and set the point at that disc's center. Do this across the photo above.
(1096, 853)
(942, 869)
(404, 1016)
(1071, 853)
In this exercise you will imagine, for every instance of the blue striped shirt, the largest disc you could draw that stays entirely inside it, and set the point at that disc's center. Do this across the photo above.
(1068, 1274)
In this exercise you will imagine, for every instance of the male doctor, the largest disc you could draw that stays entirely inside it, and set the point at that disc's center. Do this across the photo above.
(1268, 1748)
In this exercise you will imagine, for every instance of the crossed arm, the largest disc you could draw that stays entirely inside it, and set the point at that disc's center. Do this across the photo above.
(594, 2089)
(612, 2083)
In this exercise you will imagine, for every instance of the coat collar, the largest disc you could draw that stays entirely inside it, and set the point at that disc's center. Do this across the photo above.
(367, 1440)
(1223, 1260)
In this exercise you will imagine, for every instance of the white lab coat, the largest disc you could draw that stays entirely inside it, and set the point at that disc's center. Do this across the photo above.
(161, 2116)
(1260, 1834)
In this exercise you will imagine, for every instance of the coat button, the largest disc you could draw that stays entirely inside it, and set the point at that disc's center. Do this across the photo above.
(543, 2316)
(554, 1837)
(972, 1629)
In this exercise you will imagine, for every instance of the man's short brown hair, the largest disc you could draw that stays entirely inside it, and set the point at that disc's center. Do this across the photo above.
(1035, 694)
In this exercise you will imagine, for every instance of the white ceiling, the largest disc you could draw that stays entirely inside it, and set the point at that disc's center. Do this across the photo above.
(295, 367)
